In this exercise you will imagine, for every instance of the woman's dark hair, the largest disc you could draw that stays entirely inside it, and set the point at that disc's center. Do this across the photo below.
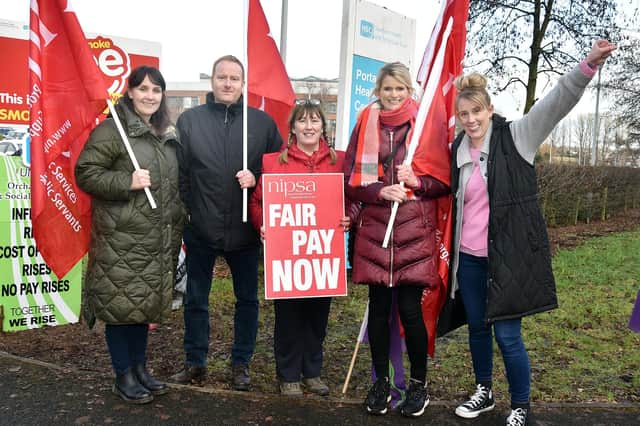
(160, 119)
(303, 109)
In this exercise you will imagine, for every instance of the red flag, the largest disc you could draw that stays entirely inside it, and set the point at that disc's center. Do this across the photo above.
(67, 94)
(269, 87)
(433, 154)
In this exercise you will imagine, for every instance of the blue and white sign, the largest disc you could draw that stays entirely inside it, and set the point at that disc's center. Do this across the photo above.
(375, 36)
(363, 81)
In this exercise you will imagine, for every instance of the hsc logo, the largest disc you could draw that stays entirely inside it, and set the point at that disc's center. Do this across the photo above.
(112, 61)
(366, 29)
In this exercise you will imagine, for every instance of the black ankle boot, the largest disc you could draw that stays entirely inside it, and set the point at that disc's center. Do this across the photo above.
(156, 387)
(130, 390)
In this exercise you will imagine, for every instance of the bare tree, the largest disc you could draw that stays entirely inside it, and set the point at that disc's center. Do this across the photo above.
(583, 131)
(559, 139)
(532, 38)
(624, 87)
(608, 127)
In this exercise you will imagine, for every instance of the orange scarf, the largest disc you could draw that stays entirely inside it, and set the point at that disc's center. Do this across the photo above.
(367, 168)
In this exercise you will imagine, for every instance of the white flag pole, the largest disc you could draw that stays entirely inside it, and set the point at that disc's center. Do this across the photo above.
(245, 191)
(363, 329)
(127, 145)
(423, 111)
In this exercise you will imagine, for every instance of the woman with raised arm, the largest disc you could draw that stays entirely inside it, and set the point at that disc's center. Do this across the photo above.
(501, 261)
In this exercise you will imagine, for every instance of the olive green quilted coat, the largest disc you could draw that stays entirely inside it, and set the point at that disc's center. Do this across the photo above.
(134, 248)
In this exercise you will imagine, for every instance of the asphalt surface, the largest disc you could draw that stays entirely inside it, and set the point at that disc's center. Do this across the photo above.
(36, 393)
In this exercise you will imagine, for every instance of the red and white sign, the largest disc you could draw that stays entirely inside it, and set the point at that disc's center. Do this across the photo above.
(304, 252)
(115, 56)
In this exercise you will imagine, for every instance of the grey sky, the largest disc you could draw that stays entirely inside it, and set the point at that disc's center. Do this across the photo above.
(193, 33)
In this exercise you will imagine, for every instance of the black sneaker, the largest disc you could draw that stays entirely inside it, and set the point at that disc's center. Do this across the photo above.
(416, 400)
(518, 417)
(480, 402)
(378, 397)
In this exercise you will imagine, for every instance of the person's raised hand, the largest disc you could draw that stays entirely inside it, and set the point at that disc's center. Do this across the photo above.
(600, 51)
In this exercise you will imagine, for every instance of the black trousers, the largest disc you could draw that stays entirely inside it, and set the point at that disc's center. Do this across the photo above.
(410, 310)
(299, 332)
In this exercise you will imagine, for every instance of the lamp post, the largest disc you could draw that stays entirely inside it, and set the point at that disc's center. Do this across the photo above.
(594, 144)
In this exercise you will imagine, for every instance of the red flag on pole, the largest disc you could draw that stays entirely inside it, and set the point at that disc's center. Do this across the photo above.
(268, 83)
(67, 94)
(433, 154)
(439, 127)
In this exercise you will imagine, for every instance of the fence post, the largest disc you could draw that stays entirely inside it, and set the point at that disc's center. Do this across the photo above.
(626, 199)
(603, 216)
(575, 218)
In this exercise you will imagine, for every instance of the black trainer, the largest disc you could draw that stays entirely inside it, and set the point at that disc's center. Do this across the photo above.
(416, 400)
(378, 397)
(480, 402)
(518, 417)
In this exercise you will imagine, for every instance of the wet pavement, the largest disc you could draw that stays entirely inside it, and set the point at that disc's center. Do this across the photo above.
(36, 393)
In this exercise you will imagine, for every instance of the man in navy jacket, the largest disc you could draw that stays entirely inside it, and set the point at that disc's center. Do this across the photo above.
(211, 184)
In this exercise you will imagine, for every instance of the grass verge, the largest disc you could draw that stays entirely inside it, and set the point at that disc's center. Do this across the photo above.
(581, 352)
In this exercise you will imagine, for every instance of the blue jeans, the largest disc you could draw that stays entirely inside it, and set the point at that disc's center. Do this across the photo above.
(472, 279)
(127, 345)
(244, 272)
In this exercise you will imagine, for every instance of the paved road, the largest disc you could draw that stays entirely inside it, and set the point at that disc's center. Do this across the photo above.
(33, 393)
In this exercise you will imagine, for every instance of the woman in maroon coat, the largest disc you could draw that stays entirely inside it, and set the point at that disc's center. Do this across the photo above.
(300, 324)
(373, 177)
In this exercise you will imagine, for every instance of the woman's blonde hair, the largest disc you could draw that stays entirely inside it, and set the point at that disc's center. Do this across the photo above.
(397, 70)
(473, 87)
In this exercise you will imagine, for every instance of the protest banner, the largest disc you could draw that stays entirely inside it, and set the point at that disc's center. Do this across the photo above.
(31, 295)
(304, 251)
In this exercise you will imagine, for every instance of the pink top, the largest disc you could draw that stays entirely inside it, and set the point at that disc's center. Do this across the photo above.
(475, 216)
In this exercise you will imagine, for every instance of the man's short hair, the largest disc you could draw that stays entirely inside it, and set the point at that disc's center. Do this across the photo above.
(228, 58)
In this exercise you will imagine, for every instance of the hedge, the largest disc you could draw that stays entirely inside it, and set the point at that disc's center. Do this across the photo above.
(570, 194)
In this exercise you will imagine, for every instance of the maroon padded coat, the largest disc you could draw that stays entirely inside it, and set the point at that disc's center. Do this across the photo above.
(298, 162)
(411, 255)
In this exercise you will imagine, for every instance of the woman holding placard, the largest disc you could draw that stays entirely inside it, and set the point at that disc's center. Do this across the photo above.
(300, 324)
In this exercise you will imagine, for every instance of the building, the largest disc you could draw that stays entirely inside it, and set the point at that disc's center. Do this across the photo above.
(184, 95)
(326, 91)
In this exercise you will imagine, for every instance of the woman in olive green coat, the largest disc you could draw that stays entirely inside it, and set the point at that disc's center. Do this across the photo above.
(134, 248)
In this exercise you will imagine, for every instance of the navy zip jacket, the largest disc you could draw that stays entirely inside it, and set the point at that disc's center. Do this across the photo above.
(209, 158)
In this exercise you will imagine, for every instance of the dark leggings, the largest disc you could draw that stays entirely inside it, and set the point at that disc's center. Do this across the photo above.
(409, 306)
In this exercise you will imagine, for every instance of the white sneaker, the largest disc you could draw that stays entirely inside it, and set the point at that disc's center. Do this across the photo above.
(518, 417)
(480, 402)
